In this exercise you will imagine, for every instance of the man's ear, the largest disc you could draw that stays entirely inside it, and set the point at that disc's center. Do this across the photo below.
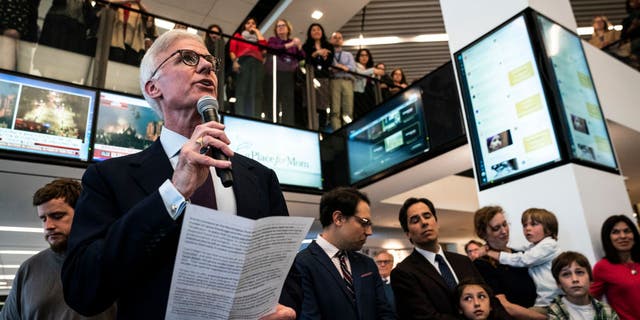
(408, 237)
(336, 217)
(152, 90)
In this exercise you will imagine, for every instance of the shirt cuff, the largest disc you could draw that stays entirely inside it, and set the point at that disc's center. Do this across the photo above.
(173, 200)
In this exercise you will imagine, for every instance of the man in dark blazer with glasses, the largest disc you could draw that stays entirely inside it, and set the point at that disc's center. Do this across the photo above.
(337, 282)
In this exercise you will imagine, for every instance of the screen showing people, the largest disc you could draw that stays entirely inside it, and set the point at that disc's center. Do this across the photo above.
(587, 127)
(45, 118)
(506, 106)
(124, 125)
(294, 154)
(393, 133)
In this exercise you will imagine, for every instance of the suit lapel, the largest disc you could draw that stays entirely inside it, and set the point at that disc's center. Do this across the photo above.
(245, 186)
(357, 270)
(151, 167)
(330, 268)
(423, 265)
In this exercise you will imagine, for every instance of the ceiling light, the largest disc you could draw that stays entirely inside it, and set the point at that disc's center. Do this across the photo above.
(164, 24)
(436, 37)
(585, 31)
(317, 14)
(12, 266)
(21, 229)
(372, 41)
(7, 276)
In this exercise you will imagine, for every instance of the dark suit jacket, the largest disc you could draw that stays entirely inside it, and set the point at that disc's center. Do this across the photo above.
(420, 291)
(123, 242)
(325, 293)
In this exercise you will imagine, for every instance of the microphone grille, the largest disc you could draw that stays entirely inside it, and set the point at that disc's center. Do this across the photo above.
(207, 102)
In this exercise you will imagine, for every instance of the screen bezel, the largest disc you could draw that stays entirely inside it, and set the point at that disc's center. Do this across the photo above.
(434, 150)
(286, 186)
(97, 115)
(50, 158)
(388, 106)
(564, 122)
(474, 138)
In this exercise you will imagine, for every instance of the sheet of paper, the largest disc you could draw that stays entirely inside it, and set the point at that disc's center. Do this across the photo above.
(230, 267)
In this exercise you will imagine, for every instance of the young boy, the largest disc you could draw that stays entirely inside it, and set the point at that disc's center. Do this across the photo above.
(572, 272)
(540, 227)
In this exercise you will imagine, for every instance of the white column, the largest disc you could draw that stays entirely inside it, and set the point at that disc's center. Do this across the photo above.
(581, 197)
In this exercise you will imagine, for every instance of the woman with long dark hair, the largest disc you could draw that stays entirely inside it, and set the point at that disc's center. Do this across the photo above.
(319, 55)
(363, 88)
(617, 274)
(247, 65)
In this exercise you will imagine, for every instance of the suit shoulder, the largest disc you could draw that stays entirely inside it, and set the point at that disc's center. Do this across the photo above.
(248, 162)
(455, 255)
(405, 265)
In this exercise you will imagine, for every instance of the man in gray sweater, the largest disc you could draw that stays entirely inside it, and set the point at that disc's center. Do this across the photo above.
(36, 292)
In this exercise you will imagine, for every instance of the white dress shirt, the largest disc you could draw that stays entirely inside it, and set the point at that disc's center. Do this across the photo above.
(172, 142)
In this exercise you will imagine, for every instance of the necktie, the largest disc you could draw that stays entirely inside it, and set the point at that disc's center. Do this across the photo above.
(446, 273)
(346, 274)
(205, 196)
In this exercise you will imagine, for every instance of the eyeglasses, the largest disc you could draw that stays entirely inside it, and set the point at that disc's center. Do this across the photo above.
(281, 25)
(381, 262)
(191, 58)
(364, 222)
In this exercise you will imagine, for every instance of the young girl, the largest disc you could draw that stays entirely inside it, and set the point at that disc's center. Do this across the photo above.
(540, 227)
(475, 301)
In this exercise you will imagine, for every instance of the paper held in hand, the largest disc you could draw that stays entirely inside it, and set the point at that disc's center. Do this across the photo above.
(230, 267)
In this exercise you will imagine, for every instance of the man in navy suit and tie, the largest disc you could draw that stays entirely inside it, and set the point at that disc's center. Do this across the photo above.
(424, 281)
(128, 218)
(337, 282)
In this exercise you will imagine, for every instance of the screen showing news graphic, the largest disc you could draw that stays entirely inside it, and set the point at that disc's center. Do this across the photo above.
(47, 118)
(125, 125)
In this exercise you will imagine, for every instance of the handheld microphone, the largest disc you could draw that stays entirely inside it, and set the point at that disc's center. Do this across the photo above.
(208, 109)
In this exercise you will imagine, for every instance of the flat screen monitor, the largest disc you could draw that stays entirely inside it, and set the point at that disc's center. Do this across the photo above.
(580, 108)
(510, 124)
(39, 117)
(125, 125)
(294, 154)
(392, 133)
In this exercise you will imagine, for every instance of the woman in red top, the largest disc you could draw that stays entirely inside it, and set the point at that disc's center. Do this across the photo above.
(248, 67)
(617, 274)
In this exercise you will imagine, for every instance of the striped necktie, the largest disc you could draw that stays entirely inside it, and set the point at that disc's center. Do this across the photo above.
(346, 274)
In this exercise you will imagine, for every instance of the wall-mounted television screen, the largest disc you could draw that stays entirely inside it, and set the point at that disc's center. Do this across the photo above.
(510, 124)
(294, 154)
(39, 117)
(124, 125)
(392, 133)
(580, 108)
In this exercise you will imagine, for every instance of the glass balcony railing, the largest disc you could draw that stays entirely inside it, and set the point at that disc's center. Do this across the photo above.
(101, 46)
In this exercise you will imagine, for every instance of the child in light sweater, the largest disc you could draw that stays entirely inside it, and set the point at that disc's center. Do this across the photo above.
(540, 227)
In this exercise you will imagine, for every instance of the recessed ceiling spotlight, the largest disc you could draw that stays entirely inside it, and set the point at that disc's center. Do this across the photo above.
(317, 14)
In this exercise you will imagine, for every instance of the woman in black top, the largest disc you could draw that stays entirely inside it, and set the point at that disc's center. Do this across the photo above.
(512, 286)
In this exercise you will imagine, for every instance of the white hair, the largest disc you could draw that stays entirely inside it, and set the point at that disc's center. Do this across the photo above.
(150, 60)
